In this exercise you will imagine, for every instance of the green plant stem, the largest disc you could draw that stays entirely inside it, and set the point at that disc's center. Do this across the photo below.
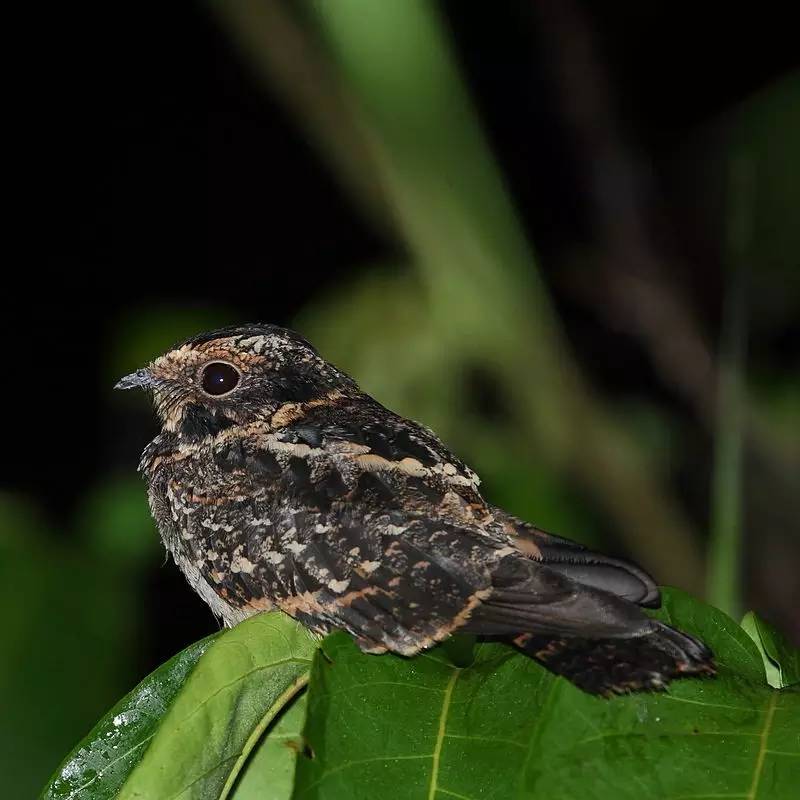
(725, 551)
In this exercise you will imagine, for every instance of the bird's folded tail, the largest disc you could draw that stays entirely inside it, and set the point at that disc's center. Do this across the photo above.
(620, 665)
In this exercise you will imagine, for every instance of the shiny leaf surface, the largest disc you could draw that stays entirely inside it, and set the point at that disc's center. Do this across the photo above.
(100, 764)
(188, 729)
(503, 727)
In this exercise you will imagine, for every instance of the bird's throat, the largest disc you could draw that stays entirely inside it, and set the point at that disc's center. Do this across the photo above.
(199, 422)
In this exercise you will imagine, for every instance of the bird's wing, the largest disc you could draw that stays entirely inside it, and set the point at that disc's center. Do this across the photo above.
(528, 596)
(369, 547)
(395, 581)
(396, 439)
(584, 566)
(337, 536)
(601, 642)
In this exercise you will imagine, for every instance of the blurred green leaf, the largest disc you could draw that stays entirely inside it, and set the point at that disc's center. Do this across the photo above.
(768, 131)
(21, 525)
(653, 428)
(777, 395)
(781, 660)
(388, 341)
(68, 645)
(503, 727)
(114, 519)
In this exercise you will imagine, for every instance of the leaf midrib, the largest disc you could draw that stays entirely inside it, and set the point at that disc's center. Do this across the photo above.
(762, 748)
(281, 702)
(440, 735)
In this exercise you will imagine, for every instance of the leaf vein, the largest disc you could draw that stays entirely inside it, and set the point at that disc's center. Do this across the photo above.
(452, 794)
(108, 766)
(239, 679)
(437, 750)
(497, 739)
(762, 750)
(712, 705)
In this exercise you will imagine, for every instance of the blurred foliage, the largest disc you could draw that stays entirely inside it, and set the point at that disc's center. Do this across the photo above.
(766, 129)
(68, 645)
(725, 545)
(459, 332)
(111, 519)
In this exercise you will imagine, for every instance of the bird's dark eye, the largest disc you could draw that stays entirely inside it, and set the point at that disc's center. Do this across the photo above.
(219, 378)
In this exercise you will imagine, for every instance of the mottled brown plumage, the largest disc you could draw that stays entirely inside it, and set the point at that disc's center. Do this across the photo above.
(276, 482)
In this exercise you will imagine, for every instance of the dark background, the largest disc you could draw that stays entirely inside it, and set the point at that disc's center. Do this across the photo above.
(168, 188)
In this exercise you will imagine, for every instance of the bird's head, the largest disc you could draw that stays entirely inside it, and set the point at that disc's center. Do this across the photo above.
(234, 376)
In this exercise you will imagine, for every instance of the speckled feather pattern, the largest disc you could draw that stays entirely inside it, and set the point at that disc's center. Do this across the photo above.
(296, 490)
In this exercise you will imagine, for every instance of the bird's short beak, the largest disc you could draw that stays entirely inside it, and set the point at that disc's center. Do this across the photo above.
(141, 379)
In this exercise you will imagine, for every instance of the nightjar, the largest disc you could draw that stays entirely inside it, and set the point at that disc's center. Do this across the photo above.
(276, 482)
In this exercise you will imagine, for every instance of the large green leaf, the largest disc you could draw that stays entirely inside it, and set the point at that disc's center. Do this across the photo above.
(238, 688)
(502, 727)
(462, 720)
(188, 729)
